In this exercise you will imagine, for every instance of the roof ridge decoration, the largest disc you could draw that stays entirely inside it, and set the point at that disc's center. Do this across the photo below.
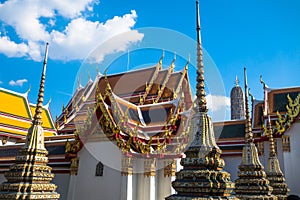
(170, 71)
(179, 85)
(126, 137)
(266, 101)
(202, 176)
(284, 122)
(150, 84)
(274, 173)
(30, 177)
(251, 182)
(15, 93)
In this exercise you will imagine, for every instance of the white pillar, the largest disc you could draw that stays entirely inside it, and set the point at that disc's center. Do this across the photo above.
(140, 186)
(129, 187)
(152, 188)
(124, 188)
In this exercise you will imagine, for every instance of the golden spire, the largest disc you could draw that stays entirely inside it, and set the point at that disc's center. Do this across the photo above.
(274, 173)
(37, 119)
(203, 156)
(30, 177)
(35, 136)
(271, 139)
(248, 129)
(200, 93)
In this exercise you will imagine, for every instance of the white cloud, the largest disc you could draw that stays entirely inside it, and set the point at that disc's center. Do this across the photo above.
(79, 37)
(215, 103)
(12, 49)
(18, 82)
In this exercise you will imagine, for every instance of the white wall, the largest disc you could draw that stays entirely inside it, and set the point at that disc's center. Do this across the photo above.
(106, 187)
(292, 160)
(62, 182)
(231, 165)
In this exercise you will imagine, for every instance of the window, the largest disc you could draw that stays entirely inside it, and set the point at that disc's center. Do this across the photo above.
(99, 169)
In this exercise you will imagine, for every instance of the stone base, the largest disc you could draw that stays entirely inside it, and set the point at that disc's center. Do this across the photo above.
(256, 197)
(179, 197)
(29, 196)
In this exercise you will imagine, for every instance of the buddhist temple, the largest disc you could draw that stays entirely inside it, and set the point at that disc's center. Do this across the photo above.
(146, 120)
(202, 176)
(139, 135)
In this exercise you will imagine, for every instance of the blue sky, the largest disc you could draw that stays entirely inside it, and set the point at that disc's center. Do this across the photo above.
(264, 36)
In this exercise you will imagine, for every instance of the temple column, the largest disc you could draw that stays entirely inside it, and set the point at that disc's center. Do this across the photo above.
(149, 179)
(139, 179)
(127, 184)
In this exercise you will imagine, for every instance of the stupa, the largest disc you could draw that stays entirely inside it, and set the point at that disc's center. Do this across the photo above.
(30, 177)
(202, 176)
(252, 182)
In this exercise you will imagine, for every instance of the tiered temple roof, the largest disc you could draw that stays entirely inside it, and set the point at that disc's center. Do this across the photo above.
(148, 111)
(16, 115)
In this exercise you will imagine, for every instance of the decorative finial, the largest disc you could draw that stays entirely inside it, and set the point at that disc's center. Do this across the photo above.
(78, 82)
(187, 63)
(200, 93)
(162, 57)
(237, 81)
(173, 61)
(251, 96)
(248, 129)
(27, 92)
(97, 69)
(48, 104)
(89, 76)
(198, 22)
(262, 82)
(37, 119)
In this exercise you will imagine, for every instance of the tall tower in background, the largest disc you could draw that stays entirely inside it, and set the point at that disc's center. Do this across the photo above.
(237, 102)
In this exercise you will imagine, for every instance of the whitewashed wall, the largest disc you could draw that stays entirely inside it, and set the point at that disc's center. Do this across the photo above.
(109, 186)
(292, 160)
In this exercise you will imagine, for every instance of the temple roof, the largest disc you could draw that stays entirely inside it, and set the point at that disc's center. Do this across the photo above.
(138, 87)
(144, 103)
(277, 101)
(16, 114)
